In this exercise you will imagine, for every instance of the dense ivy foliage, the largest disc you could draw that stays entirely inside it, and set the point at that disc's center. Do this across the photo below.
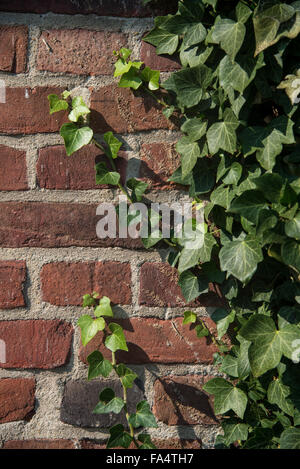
(236, 98)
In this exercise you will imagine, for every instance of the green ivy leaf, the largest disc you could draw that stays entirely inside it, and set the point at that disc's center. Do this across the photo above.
(222, 135)
(189, 84)
(116, 341)
(138, 188)
(89, 327)
(127, 375)
(113, 144)
(104, 308)
(75, 137)
(98, 366)
(195, 128)
(292, 227)
(230, 35)
(165, 42)
(234, 432)
(189, 151)
(249, 205)
(290, 253)
(240, 258)
(146, 440)
(104, 176)
(143, 416)
(290, 438)
(108, 403)
(79, 109)
(57, 104)
(118, 437)
(189, 317)
(151, 77)
(192, 286)
(226, 396)
(278, 394)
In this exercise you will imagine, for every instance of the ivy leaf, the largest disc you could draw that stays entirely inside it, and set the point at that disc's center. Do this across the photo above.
(205, 251)
(292, 227)
(266, 24)
(278, 394)
(230, 35)
(291, 85)
(195, 128)
(249, 205)
(104, 176)
(290, 438)
(223, 318)
(195, 34)
(192, 286)
(226, 396)
(234, 174)
(234, 432)
(152, 77)
(189, 317)
(113, 144)
(290, 253)
(188, 258)
(75, 137)
(104, 308)
(236, 75)
(222, 135)
(118, 437)
(116, 341)
(138, 188)
(146, 440)
(222, 196)
(165, 42)
(79, 109)
(189, 84)
(89, 327)
(98, 366)
(109, 403)
(143, 416)
(127, 375)
(243, 12)
(189, 151)
(240, 258)
(57, 104)
(130, 79)
(229, 366)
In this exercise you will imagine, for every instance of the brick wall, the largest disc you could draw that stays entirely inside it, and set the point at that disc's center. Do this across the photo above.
(50, 254)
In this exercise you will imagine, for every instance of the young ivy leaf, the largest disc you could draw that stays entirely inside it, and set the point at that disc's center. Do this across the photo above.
(104, 176)
(138, 188)
(189, 317)
(79, 109)
(98, 366)
(126, 374)
(116, 341)
(108, 403)
(151, 77)
(89, 327)
(104, 308)
(143, 416)
(118, 437)
(113, 144)
(57, 104)
(227, 397)
(146, 440)
(88, 300)
(75, 137)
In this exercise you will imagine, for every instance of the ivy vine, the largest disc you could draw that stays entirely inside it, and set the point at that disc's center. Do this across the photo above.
(236, 97)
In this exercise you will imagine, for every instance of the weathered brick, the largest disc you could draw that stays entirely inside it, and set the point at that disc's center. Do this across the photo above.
(126, 8)
(120, 110)
(164, 63)
(13, 48)
(41, 344)
(36, 224)
(38, 444)
(79, 51)
(158, 162)
(26, 111)
(16, 399)
(168, 443)
(65, 283)
(13, 175)
(180, 400)
(56, 170)
(152, 340)
(12, 278)
(81, 397)
(159, 287)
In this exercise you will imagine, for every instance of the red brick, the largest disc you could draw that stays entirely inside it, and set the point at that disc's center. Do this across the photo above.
(36, 343)
(12, 278)
(56, 170)
(169, 443)
(79, 51)
(126, 8)
(13, 175)
(159, 287)
(164, 63)
(157, 341)
(158, 162)
(36, 224)
(13, 48)
(121, 110)
(38, 444)
(65, 283)
(180, 400)
(26, 111)
(16, 399)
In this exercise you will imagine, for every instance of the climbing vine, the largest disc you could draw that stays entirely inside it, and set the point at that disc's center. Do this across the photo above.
(236, 98)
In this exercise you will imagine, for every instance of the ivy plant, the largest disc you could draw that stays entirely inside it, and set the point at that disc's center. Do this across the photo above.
(236, 97)
(100, 320)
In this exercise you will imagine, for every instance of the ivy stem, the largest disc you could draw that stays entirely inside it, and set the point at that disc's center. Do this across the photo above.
(159, 101)
(214, 340)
